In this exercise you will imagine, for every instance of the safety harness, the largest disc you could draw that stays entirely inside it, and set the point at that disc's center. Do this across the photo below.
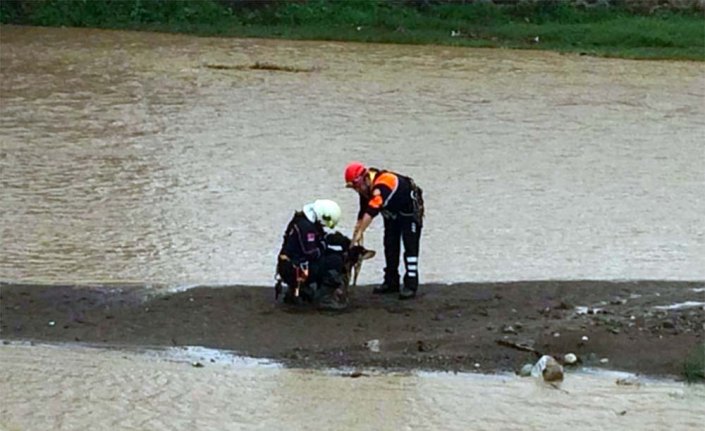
(415, 194)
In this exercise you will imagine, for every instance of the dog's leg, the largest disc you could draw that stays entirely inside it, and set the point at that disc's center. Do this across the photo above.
(366, 254)
(356, 272)
(358, 266)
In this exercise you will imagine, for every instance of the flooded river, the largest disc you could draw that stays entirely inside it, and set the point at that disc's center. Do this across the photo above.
(166, 161)
(111, 390)
(163, 159)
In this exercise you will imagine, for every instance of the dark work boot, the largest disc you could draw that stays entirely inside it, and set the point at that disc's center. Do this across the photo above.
(334, 301)
(390, 285)
(331, 304)
(290, 299)
(409, 289)
(405, 293)
(386, 289)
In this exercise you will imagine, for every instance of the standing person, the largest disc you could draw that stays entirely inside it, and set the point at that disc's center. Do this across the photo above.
(400, 201)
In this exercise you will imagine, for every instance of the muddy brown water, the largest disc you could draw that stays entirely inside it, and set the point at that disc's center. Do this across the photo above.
(166, 161)
(105, 389)
(128, 157)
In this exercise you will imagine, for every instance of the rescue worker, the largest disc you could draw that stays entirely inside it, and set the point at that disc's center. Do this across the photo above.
(400, 201)
(311, 273)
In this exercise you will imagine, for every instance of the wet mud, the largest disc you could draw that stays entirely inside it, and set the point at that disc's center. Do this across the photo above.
(485, 327)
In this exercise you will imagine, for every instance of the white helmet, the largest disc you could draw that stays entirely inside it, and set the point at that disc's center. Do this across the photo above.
(327, 212)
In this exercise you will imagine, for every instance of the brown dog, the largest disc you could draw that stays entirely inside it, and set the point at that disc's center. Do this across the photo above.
(352, 255)
(353, 258)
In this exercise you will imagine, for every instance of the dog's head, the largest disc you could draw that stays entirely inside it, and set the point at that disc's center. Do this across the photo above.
(352, 254)
(355, 255)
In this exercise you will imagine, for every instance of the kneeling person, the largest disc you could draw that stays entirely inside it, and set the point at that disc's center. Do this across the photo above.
(310, 271)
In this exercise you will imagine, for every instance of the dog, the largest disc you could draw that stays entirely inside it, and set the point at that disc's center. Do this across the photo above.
(352, 257)
(334, 295)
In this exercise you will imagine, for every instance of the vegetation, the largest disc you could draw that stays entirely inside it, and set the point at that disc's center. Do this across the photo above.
(694, 366)
(548, 24)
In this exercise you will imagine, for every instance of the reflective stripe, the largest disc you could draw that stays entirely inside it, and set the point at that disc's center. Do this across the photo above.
(412, 259)
(335, 248)
(412, 267)
(411, 274)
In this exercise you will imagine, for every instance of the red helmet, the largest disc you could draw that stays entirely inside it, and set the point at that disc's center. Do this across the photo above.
(353, 171)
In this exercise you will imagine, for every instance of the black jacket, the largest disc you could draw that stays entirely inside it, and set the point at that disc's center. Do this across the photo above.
(303, 240)
(390, 193)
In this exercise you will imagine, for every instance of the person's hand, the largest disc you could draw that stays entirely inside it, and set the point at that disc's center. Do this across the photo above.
(360, 228)
(357, 234)
(357, 238)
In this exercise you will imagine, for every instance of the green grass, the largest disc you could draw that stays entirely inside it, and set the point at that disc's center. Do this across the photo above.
(694, 365)
(559, 26)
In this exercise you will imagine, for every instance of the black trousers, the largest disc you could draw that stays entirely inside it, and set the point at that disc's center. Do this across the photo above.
(406, 230)
(324, 272)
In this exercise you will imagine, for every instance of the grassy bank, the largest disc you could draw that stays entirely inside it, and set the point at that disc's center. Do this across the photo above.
(549, 25)
(694, 365)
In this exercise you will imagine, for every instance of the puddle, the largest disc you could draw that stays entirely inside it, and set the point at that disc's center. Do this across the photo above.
(588, 310)
(204, 356)
(681, 306)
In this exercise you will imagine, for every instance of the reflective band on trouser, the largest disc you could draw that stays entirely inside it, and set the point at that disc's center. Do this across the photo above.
(412, 266)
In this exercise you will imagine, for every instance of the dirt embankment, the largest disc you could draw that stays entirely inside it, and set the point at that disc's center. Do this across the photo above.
(617, 325)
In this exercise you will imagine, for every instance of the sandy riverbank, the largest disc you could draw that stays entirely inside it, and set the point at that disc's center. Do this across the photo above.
(449, 327)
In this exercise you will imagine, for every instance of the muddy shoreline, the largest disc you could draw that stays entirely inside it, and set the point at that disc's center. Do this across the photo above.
(459, 327)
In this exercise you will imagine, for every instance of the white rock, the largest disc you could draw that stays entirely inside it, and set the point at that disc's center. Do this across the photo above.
(570, 358)
(373, 345)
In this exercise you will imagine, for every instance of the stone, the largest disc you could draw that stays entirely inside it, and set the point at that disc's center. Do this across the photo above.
(373, 345)
(548, 368)
(570, 359)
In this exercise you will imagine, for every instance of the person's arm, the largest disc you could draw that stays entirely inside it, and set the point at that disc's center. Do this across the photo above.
(309, 243)
(357, 235)
(360, 228)
(362, 207)
(373, 207)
